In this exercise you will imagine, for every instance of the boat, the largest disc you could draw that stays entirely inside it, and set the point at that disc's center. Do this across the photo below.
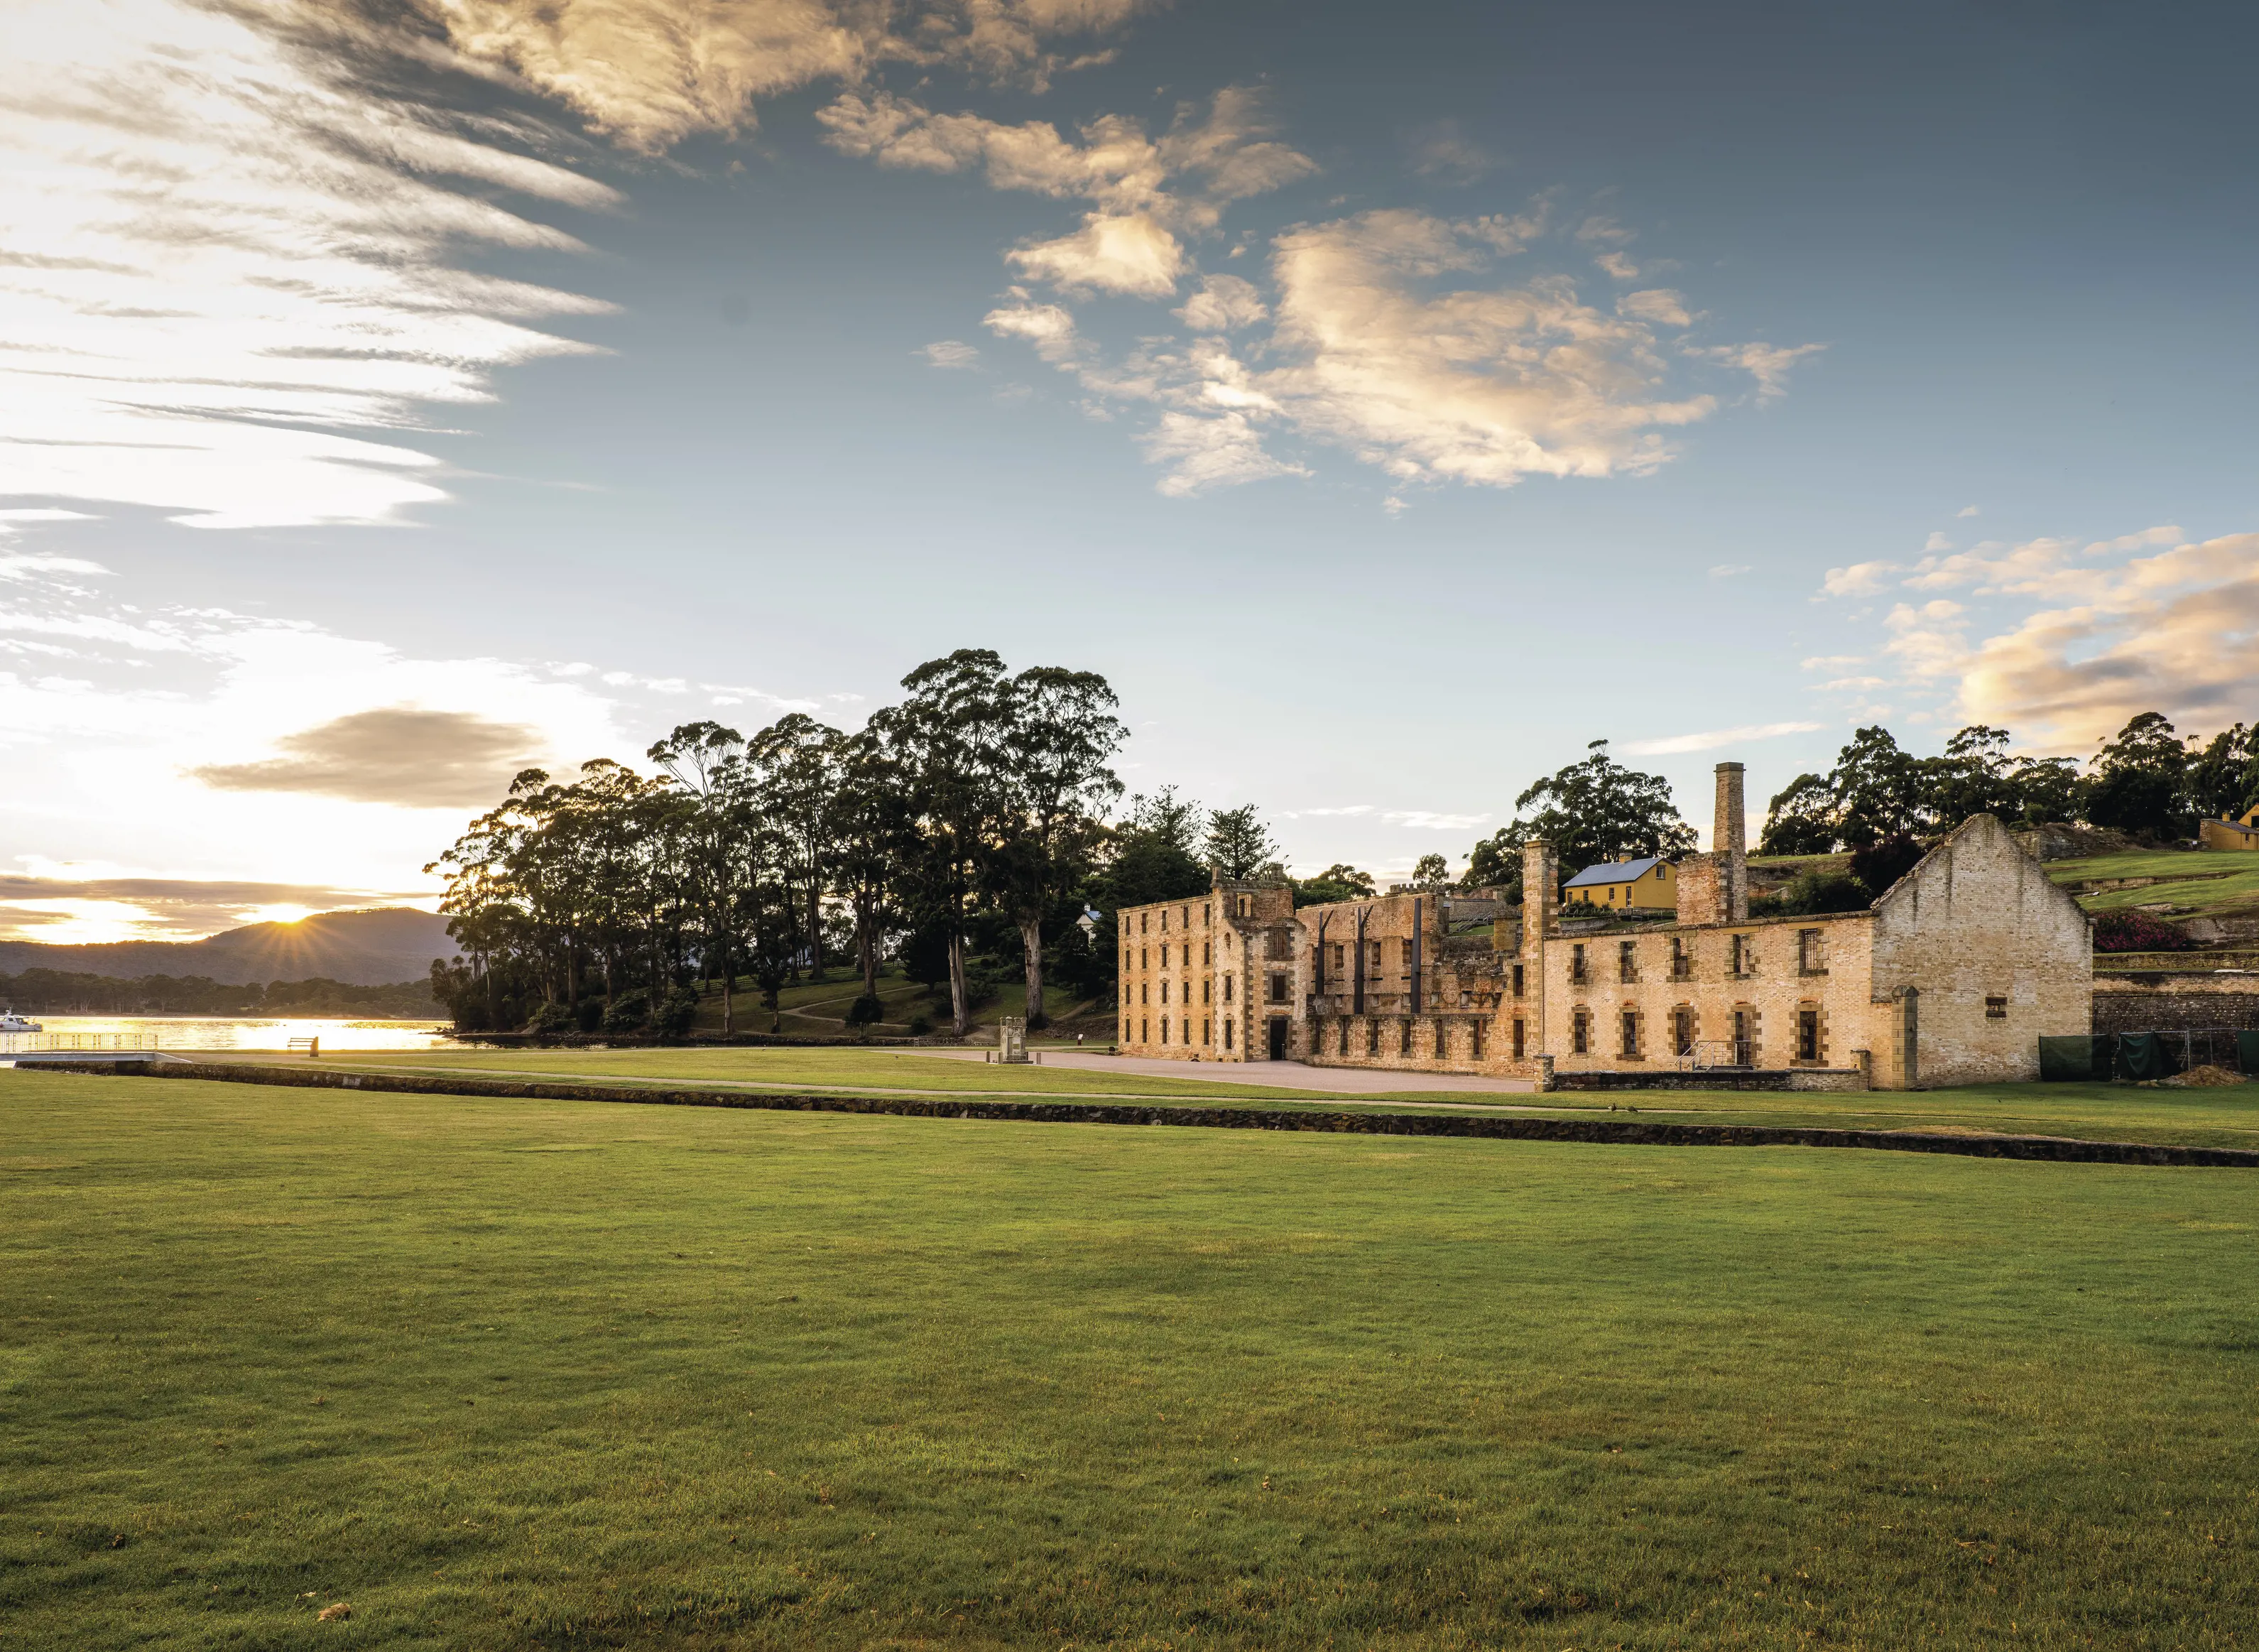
(11, 1022)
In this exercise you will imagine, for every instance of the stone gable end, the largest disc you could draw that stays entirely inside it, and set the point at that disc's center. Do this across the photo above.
(1993, 954)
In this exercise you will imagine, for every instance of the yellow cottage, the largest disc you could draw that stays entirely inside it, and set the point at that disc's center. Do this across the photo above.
(1624, 884)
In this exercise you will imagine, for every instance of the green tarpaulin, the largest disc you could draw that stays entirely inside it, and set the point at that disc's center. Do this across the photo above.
(2148, 1055)
(2080, 1056)
(2246, 1051)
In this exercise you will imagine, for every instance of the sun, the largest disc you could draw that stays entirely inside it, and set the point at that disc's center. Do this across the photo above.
(283, 913)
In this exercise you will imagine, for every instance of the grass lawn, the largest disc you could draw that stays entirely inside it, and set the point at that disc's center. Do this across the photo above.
(530, 1374)
(813, 1009)
(2225, 1117)
(2189, 878)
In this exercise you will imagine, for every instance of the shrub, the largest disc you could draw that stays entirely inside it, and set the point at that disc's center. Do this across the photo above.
(920, 1026)
(2129, 931)
(866, 1011)
(674, 1013)
(1821, 891)
(552, 1018)
(629, 1011)
(1879, 866)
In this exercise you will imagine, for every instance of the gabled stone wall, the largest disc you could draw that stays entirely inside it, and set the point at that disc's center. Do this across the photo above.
(1992, 953)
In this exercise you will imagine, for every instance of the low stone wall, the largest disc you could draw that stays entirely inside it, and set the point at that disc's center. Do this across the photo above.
(2180, 1001)
(697, 1041)
(1493, 1127)
(1765, 1078)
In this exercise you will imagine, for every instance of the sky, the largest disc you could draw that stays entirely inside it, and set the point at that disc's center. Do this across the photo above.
(1387, 401)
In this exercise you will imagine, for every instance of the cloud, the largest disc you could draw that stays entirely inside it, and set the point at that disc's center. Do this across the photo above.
(1126, 254)
(1658, 304)
(1474, 385)
(1861, 579)
(1830, 662)
(648, 74)
(1938, 542)
(1222, 449)
(401, 755)
(1711, 739)
(1443, 151)
(222, 256)
(1842, 685)
(2175, 632)
(1727, 569)
(1223, 303)
(1767, 363)
(79, 910)
(1966, 511)
(1421, 820)
(1618, 265)
(950, 352)
(1047, 327)
(1148, 192)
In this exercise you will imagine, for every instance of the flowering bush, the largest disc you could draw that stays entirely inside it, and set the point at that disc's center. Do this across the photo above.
(2124, 931)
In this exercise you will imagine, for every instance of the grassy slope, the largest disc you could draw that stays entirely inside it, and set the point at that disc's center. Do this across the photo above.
(2192, 882)
(819, 1009)
(2226, 1117)
(521, 1374)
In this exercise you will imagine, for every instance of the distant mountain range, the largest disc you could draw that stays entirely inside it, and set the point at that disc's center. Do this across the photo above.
(374, 948)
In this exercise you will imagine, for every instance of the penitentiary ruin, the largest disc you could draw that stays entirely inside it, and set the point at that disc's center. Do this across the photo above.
(1951, 976)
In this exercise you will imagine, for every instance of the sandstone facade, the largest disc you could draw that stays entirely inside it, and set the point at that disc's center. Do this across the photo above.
(1950, 977)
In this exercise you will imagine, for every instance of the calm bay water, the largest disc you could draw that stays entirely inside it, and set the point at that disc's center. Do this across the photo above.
(217, 1032)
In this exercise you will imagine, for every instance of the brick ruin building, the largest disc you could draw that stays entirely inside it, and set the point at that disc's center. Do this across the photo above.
(1950, 977)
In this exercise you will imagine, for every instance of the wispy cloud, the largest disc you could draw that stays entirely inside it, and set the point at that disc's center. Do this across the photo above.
(950, 352)
(222, 256)
(1711, 739)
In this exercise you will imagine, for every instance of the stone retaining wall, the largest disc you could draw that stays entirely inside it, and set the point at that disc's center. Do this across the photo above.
(1613, 1132)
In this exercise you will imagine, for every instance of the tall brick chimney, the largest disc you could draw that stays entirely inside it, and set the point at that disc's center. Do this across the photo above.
(1729, 844)
(1541, 894)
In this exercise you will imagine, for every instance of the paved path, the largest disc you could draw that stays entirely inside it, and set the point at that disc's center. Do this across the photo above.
(1283, 1075)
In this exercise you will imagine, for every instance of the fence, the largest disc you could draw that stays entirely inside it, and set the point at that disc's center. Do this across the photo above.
(2135, 1056)
(27, 1044)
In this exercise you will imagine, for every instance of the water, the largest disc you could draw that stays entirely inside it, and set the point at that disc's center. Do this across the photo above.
(217, 1032)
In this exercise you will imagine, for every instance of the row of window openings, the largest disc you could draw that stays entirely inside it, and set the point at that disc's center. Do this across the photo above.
(1810, 1038)
(1281, 990)
(1183, 955)
(1404, 1025)
(1207, 1031)
(1207, 911)
(1810, 959)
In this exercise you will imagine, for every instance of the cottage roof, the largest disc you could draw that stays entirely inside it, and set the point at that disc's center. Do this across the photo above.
(1613, 871)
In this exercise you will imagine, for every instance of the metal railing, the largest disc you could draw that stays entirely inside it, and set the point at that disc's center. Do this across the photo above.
(27, 1044)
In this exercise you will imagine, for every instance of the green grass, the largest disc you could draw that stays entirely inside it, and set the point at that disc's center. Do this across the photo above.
(2191, 879)
(817, 1009)
(2224, 1117)
(521, 1374)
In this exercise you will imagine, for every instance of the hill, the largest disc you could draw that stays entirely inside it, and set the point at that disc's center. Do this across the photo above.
(371, 948)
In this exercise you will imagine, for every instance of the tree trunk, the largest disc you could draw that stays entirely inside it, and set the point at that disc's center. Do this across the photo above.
(866, 949)
(815, 928)
(1032, 942)
(729, 981)
(961, 1014)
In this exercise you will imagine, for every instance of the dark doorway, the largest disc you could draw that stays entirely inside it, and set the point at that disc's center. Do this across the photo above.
(1278, 1037)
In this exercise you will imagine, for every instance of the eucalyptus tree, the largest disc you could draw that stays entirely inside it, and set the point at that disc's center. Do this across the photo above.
(873, 838)
(1060, 734)
(709, 762)
(949, 744)
(797, 765)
